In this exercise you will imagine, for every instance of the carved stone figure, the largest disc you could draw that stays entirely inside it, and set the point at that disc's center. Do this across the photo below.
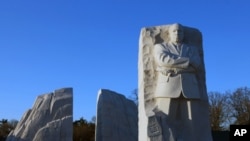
(173, 103)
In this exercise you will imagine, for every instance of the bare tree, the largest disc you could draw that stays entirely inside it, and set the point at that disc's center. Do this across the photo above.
(13, 123)
(93, 119)
(240, 102)
(219, 111)
(134, 96)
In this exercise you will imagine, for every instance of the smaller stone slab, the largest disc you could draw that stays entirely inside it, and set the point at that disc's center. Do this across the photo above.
(116, 117)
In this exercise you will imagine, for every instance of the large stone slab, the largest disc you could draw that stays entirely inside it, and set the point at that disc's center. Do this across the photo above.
(116, 117)
(173, 103)
(50, 119)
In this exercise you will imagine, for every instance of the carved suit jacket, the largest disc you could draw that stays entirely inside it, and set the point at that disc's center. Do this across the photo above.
(177, 71)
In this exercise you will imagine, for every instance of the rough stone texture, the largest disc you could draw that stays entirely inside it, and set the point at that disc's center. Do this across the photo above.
(116, 117)
(150, 36)
(50, 119)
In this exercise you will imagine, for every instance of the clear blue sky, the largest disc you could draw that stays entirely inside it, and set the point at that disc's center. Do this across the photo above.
(93, 44)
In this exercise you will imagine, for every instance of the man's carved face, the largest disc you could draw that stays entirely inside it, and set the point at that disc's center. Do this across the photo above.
(176, 33)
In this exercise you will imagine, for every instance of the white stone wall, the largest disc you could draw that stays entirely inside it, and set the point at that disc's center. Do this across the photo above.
(50, 119)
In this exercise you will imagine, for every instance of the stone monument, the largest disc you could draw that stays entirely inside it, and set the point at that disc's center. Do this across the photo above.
(173, 102)
(116, 117)
(50, 119)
